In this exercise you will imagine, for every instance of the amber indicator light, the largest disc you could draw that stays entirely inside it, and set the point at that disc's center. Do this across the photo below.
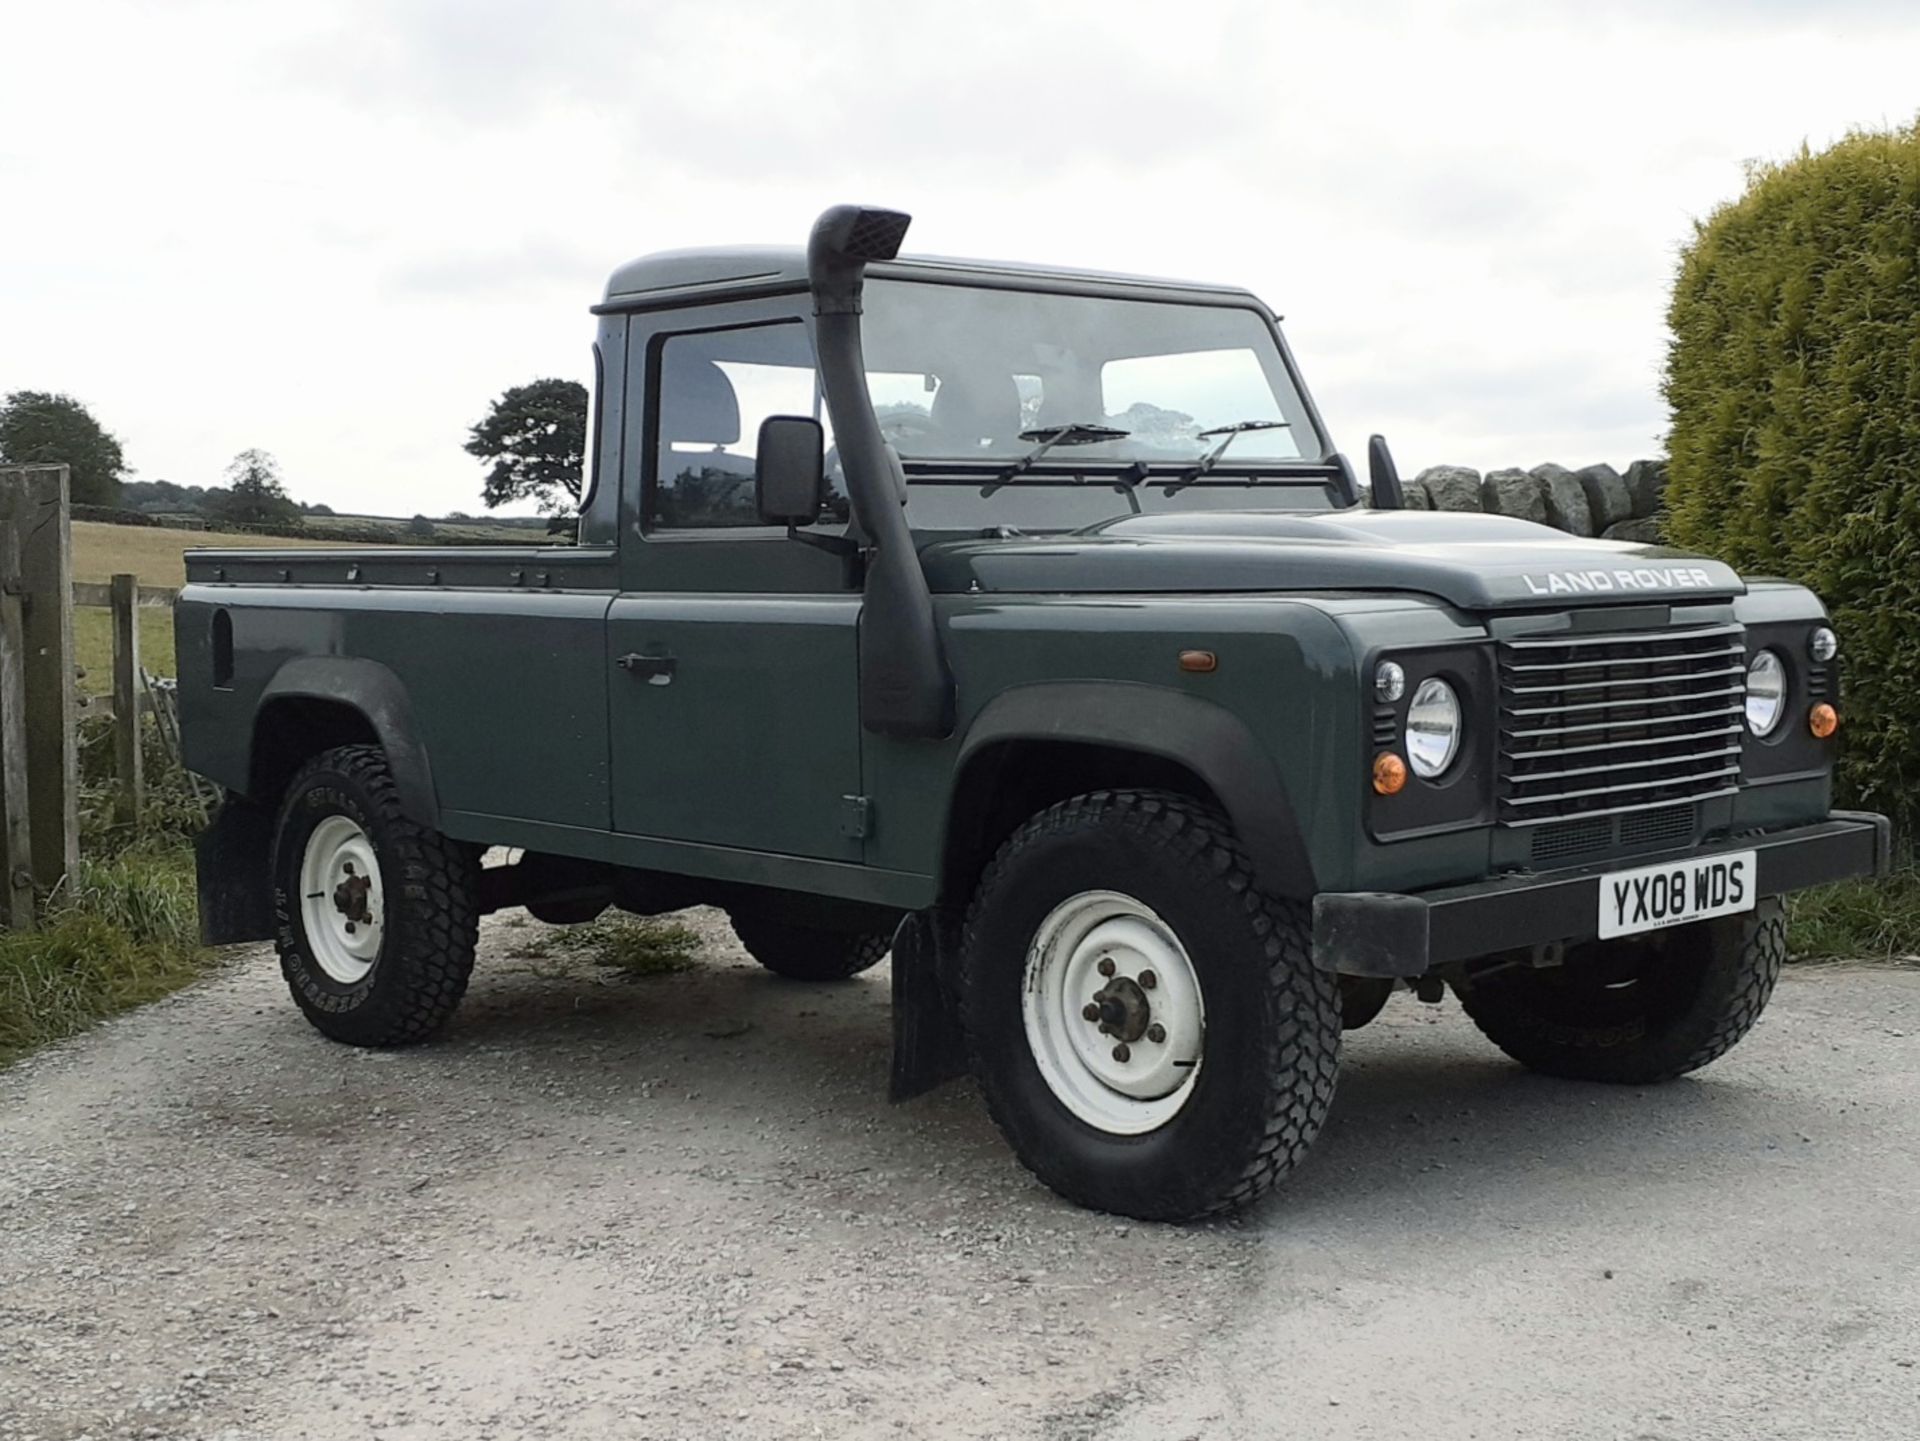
(1199, 661)
(1823, 720)
(1389, 773)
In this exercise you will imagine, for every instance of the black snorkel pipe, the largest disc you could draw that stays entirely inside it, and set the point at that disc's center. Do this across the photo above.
(905, 687)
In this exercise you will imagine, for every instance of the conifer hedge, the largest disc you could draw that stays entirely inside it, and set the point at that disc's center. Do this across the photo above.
(1793, 374)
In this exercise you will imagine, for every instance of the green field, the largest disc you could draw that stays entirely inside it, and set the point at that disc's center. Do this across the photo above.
(154, 554)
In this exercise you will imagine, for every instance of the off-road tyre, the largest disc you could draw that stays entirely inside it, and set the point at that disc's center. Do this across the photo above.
(1661, 1006)
(807, 953)
(1271, 1046)
(431, 921)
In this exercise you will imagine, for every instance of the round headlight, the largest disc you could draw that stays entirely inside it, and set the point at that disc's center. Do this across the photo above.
(1824, 644)
(1766, 692)
(1433, 728)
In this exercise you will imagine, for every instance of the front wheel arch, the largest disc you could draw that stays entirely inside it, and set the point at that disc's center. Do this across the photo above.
(1034, 745)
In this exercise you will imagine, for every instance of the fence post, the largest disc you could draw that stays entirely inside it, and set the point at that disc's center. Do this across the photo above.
(34, 498)
(125, 604)
(16, 835)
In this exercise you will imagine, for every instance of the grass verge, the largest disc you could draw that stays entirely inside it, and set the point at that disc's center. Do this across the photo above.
(125, 934)
(125, 929)
(1864, 920)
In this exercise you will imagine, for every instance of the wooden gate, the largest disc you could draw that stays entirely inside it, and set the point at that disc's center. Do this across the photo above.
(39, 763)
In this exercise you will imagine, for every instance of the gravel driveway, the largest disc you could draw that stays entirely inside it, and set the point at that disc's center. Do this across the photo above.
(680, 1207)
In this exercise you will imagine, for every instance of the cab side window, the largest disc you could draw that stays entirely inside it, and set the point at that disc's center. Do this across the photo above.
(712, 390)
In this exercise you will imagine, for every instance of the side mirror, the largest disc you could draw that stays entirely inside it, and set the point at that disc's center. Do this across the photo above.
(789, 476)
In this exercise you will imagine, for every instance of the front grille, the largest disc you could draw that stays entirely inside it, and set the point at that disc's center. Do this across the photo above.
(1651, 830)
(1565, 840)
(1669, 826)
(1599, 725)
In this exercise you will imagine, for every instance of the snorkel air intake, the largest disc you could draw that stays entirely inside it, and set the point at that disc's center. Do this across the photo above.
(905, 687)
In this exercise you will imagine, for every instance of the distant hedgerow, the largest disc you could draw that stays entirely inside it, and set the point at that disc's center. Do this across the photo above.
(1793, 374)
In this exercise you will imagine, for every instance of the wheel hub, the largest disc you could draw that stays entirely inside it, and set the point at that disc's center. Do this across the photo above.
(350, 896)
(1125, 1012)
(341, 906)
(1113, 1012)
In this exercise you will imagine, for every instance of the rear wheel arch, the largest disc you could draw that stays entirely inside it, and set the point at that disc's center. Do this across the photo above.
(1036, 745)
(317, 703)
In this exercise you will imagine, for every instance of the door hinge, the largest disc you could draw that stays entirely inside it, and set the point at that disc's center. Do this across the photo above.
(856, 817)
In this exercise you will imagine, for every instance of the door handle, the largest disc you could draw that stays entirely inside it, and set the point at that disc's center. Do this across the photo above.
(658, 669)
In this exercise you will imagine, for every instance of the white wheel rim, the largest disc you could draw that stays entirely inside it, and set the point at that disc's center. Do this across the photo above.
(1130, 1067)
(341, 904)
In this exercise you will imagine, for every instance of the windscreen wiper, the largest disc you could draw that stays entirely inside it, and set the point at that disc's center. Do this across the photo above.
(1048, 436)
(1228, 434)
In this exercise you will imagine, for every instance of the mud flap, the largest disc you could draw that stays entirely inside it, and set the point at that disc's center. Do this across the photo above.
(232, 861)
(929, 1046)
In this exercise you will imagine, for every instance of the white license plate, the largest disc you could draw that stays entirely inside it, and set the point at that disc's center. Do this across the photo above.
(1673, 894)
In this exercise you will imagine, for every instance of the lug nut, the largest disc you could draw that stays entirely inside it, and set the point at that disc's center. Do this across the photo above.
(349, 927)
(1090, 1012)
(1148, 980)
(1121, 1053)
(1156, 1033)
(348, 867)
(1106, 966)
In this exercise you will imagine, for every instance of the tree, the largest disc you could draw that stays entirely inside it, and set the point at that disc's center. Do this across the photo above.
(1793, 374)
(536, 437)
(420, 527)
(254, 494)
(37, 428)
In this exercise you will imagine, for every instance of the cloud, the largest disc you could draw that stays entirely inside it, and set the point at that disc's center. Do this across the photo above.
(336, 230)
(533, 263)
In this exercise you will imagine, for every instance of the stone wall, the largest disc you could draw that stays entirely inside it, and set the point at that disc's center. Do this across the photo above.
(1595, 500)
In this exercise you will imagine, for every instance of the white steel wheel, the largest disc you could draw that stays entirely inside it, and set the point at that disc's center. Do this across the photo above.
(342, 909)
(1113, 1012)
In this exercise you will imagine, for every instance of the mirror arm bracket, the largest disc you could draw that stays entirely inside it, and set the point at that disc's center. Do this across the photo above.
(839, 545)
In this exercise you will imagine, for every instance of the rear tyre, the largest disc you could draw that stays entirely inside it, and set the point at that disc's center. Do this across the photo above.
(807, 953)
(376, 916)
(1149, 1028)
(1637, 1010)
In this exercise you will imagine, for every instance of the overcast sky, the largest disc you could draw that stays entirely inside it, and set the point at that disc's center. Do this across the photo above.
(335, 230)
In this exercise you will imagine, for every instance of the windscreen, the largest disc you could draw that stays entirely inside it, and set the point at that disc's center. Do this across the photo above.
(985, 376)
(1112, 386)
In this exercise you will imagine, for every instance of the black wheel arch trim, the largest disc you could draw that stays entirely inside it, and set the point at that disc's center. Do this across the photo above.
(378, 695)
(1207, 739)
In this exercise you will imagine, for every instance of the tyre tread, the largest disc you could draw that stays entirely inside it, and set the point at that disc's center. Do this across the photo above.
(1302, 1036)
(807, 953)
(438, 887)
(1735, 990)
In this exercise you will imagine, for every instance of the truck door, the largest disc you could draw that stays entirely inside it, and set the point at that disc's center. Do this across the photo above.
(734, 703)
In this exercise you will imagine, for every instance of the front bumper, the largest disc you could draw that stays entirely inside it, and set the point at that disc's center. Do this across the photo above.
(1365, 933)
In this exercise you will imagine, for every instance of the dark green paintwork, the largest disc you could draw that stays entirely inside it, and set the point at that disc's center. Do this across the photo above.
(743, 767)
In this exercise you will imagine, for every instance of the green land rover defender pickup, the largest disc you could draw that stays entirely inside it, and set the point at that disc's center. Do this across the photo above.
(1026, 622)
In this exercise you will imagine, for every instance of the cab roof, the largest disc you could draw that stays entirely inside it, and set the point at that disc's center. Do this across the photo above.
(668, 275)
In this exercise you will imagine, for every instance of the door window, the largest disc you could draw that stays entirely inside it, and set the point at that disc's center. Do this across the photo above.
(713, 390)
